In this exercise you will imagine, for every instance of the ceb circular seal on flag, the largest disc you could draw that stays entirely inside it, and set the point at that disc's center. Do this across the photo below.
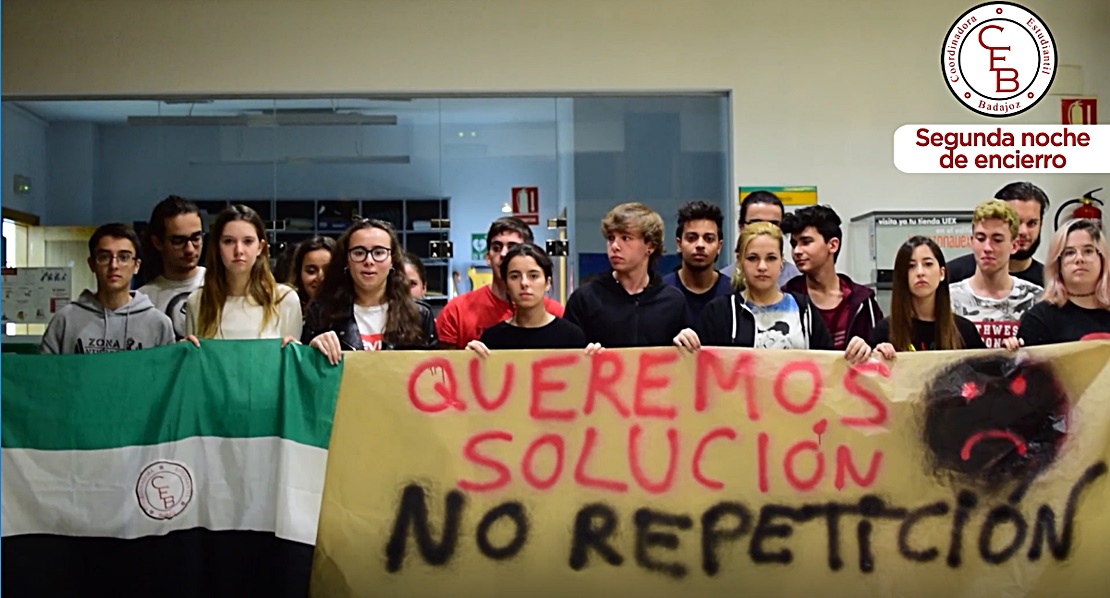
(164, 489)
(999, 59)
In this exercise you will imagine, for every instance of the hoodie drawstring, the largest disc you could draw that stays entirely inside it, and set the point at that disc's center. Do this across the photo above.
(735, 332)
(126, 322)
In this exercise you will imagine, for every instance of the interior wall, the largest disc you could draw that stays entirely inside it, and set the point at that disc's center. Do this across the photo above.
(74, 165)
(662, 152)
(24, 153)
(819, 87)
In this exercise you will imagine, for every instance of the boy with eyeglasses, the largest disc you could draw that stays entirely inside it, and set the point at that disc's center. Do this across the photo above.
(763, 206)
(114, 318)
(172, 272)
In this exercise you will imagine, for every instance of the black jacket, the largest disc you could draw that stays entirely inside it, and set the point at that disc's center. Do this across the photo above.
(607, 314)
(863, 309)
(728, 322)
(347, 329)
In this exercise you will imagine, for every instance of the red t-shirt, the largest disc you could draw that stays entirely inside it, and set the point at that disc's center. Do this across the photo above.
(465, 317)
(836, 319)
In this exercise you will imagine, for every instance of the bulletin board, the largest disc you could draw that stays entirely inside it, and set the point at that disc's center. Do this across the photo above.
(34, 295)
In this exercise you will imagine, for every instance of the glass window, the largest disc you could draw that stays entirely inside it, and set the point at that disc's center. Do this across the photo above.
(439, 169)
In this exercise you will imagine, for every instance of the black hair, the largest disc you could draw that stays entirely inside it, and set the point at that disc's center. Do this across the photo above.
(758, 197)
(822, 218)
(115, 230)
(170, 207)
(415, 261)
(1024, 190)
(508, 224)
(527, 250)
(699, 210)
(283, 269)
(293, 276)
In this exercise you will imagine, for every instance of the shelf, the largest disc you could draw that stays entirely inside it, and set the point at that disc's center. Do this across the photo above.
(305, 218)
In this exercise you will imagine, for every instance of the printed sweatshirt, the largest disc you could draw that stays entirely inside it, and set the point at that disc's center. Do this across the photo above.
(86, 326)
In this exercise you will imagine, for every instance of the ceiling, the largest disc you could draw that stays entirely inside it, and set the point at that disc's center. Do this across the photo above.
(465, 111)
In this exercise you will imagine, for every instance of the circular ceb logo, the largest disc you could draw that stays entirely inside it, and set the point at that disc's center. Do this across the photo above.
(999, 59)
(164, 489)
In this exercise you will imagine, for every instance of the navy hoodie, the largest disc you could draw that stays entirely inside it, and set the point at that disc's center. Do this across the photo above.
(607, 314)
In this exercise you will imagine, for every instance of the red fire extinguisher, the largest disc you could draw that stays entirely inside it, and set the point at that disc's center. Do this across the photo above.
(1086, 208)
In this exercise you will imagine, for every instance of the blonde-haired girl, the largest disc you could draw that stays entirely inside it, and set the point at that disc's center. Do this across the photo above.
(759, 314)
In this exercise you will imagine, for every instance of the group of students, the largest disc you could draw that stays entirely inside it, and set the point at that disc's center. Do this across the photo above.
(362, 301)
(999, 296)
(362, 291)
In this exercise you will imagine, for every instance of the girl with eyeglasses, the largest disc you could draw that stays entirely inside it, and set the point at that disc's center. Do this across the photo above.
(1076, 303)
(921, 317)
(240, 298)
(364, 303)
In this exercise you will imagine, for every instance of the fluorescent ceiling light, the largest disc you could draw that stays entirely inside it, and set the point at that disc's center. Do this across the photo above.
(305, 160)
(263, 120)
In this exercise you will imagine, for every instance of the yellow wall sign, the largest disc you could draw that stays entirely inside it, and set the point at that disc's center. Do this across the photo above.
(790, 196)
(649, 472)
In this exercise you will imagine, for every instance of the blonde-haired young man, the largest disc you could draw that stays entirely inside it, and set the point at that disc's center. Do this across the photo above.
(992, 298)
(631, 307)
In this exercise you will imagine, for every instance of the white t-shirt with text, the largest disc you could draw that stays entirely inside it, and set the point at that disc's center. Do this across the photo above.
(996, 319)
(371, 324)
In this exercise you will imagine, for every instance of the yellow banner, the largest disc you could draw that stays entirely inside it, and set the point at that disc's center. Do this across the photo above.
(648, 472)
(790, 196)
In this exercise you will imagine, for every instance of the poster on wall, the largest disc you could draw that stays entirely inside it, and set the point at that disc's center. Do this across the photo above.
(1079, 111)
(477, 246)
(950, 231)
(790, 196)
(526, 204)
(33, 295)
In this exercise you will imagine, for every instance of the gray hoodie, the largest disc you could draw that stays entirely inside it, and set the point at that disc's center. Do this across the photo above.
(86, 326)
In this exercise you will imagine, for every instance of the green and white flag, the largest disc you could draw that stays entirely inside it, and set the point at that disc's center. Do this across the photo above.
(172, 470)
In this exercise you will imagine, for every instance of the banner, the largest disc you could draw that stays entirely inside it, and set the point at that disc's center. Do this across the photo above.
(173, 471)
(731, 472)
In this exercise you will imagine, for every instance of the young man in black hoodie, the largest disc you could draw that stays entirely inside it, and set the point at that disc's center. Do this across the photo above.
(631, 307)
(849, 309)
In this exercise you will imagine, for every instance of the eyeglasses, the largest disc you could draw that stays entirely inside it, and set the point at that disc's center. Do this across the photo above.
(123, 258)
(1089, 252)
(179, 241)
(378, 254)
